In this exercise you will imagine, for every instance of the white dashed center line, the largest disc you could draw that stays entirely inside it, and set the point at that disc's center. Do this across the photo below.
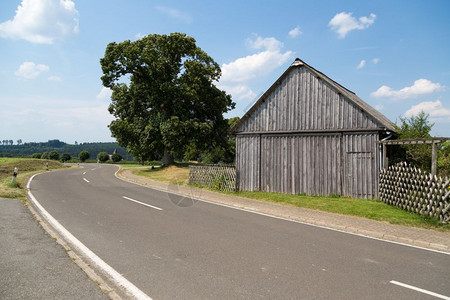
(86, 180)
(142, 203)
(419, 290)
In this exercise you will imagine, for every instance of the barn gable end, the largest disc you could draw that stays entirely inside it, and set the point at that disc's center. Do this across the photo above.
(305, 100)
(308, 134)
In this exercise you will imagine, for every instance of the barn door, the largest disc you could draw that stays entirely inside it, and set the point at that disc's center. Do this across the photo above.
(359, 177)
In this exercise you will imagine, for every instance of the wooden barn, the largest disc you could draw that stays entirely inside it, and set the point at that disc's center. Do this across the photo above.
(308, 134)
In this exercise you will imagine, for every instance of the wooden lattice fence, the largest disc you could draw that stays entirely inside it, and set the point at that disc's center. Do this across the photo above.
(221, 177)
(411, 189)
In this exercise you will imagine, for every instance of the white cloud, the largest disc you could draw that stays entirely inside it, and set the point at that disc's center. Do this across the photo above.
(295, 32)
(420, 87)
(435, 109)
(54, 78)
(240, 91)
(42, 21)
(237, 74)
(30, 70)
(175, 14)
(344, 22)
(139, 35)
(361, 64)
(256, 65)
(379, 107)
(105, 94)
(375, 61)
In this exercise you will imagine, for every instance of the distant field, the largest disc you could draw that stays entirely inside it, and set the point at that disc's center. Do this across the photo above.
(27, 167)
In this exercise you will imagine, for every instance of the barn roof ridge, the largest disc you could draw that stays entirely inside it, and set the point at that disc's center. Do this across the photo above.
(375, 114)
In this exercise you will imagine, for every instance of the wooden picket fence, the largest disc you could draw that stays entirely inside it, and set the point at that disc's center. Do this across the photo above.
(411, 189)
(220, 177)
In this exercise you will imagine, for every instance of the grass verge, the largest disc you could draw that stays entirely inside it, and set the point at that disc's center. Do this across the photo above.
(175, 174)
(27, 167)
(370, 209)
(365, 208)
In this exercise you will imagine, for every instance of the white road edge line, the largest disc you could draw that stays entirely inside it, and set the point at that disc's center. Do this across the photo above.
(282, 218)
(142, 203)
(85, 180)
(116, 277)
(419, 290)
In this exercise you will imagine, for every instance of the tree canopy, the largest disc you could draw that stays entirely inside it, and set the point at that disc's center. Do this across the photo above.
(84, 155)
(412, 128)
(164, 98)
(415, 126)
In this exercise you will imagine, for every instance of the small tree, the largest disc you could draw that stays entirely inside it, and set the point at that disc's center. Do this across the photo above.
(36, 155)
(44, 155)
(84, 155)
(65, 157)
(444, 159)
(412, 128)
(103, 157)
(54, 155)
(116, 157)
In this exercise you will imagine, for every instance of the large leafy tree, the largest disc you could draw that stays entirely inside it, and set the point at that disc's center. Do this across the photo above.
(164, 98)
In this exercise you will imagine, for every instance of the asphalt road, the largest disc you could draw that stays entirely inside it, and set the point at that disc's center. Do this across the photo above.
(171, 250)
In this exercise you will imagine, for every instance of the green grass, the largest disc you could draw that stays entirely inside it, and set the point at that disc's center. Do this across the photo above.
(365, 208)
(176, 174)
(27, 167)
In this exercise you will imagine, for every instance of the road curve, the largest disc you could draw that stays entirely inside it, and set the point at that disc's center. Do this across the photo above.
(206, 251)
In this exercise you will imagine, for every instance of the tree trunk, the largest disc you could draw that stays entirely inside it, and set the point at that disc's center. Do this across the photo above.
(168, 158)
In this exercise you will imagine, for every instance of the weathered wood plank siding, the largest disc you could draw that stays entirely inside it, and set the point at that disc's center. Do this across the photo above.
(248, 162)
(326, 164)
(303, 101)
(361, 165)
(297, 164)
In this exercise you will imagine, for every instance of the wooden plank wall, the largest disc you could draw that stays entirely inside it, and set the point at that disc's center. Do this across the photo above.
(313, 164)
(361, 165)
(248, 162)
(295, 164)
(304, 102)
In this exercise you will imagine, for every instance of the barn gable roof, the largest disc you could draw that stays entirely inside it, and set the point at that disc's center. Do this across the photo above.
(384, 122)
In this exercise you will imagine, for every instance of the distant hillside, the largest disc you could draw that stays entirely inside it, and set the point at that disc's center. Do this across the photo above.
(27, 149)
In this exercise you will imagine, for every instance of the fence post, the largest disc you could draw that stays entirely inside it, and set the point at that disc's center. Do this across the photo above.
(16, 170)
(385, 158)
(433, 159)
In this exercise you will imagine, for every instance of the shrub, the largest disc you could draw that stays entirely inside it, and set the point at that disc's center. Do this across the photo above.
(36, 155)
(116, 157)
(66, 157)
(44, 155)
(54, 155)
(103, 157)
(84, 155)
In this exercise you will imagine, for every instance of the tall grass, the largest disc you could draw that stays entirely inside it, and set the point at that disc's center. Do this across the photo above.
(27, 167)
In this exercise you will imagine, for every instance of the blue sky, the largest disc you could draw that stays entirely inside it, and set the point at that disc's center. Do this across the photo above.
(393, 54)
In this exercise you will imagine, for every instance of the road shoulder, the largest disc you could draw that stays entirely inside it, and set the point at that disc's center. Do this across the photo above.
(33, 264)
